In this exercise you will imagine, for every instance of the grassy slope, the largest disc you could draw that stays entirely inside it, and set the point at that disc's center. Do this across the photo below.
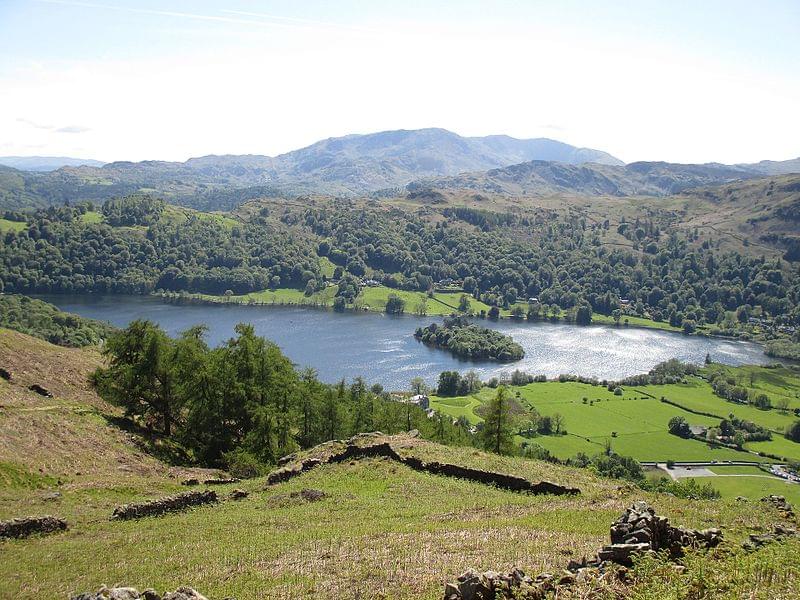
(64, 443)
(383, 532)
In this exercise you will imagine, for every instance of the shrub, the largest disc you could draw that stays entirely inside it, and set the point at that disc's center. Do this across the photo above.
(243, 464)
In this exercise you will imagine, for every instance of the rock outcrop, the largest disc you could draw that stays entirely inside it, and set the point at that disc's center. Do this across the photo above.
(37, 389)
(355, 452)
(638, 531)
(27, 526)
(129, 593)
(164, 505)
(221, 481)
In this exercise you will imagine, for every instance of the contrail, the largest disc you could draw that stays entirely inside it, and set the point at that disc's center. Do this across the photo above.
(185, 15)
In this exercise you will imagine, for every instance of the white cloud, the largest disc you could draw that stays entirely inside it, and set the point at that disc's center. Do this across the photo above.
(273, 87)
(73, 129)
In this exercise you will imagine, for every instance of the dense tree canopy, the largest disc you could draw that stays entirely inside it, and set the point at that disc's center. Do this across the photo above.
(559, 262)
(469, 340)
(244, 398)
(45, 321)
(556, 263)
(59, 252)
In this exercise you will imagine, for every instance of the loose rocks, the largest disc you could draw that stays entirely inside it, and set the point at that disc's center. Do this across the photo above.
(641, 530)
(780, 503)
(221, 481)
(309, 495)
(164, 505)
(637, 531)
(24, 527)
(757, 540)
(128, 593)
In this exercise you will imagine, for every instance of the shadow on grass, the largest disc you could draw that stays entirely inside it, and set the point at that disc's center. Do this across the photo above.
(151, 442)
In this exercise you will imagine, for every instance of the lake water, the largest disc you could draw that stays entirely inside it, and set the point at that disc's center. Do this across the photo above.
(382, 348)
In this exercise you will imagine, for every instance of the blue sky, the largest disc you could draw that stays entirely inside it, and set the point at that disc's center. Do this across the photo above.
(117, 79)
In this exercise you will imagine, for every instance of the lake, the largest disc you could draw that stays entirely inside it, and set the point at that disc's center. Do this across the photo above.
(382, 349)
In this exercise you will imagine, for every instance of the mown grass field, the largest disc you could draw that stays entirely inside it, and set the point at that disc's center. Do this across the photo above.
(752, 487)
(635, 423)
(278, 296)
(633, 321)
(382, 531)
(696, 394)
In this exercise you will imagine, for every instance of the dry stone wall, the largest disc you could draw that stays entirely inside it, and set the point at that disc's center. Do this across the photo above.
(164, 505)
(385, 450)
(27, 526)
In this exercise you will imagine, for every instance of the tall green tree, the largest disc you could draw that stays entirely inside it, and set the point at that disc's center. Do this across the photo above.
(142, 374)
(497, 435)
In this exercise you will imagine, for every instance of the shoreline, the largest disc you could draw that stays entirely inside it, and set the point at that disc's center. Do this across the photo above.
(605, 321)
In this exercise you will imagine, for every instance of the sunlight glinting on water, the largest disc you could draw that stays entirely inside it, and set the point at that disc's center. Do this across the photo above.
(382, 348)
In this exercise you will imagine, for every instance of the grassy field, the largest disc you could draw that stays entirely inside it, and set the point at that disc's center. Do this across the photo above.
(382, 531)
(278, 296)
(697, 395)
(442, 303)
(6, 225)
(179, 214)
(633, 321)
(635, 423)
(736, 470)
(327, 267)
(753, 487)
(777, 382)
(92, 217)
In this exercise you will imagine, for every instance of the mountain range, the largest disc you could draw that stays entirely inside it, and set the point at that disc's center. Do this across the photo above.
(47, 163)
(387, 163)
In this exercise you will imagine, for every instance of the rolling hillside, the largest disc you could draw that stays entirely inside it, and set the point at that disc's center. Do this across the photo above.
(366, 528)
(547, 178)
(762, 212)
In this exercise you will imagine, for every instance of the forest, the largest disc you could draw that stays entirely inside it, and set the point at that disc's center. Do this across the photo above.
(555, 263)
(243, 404)
(60, 251)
